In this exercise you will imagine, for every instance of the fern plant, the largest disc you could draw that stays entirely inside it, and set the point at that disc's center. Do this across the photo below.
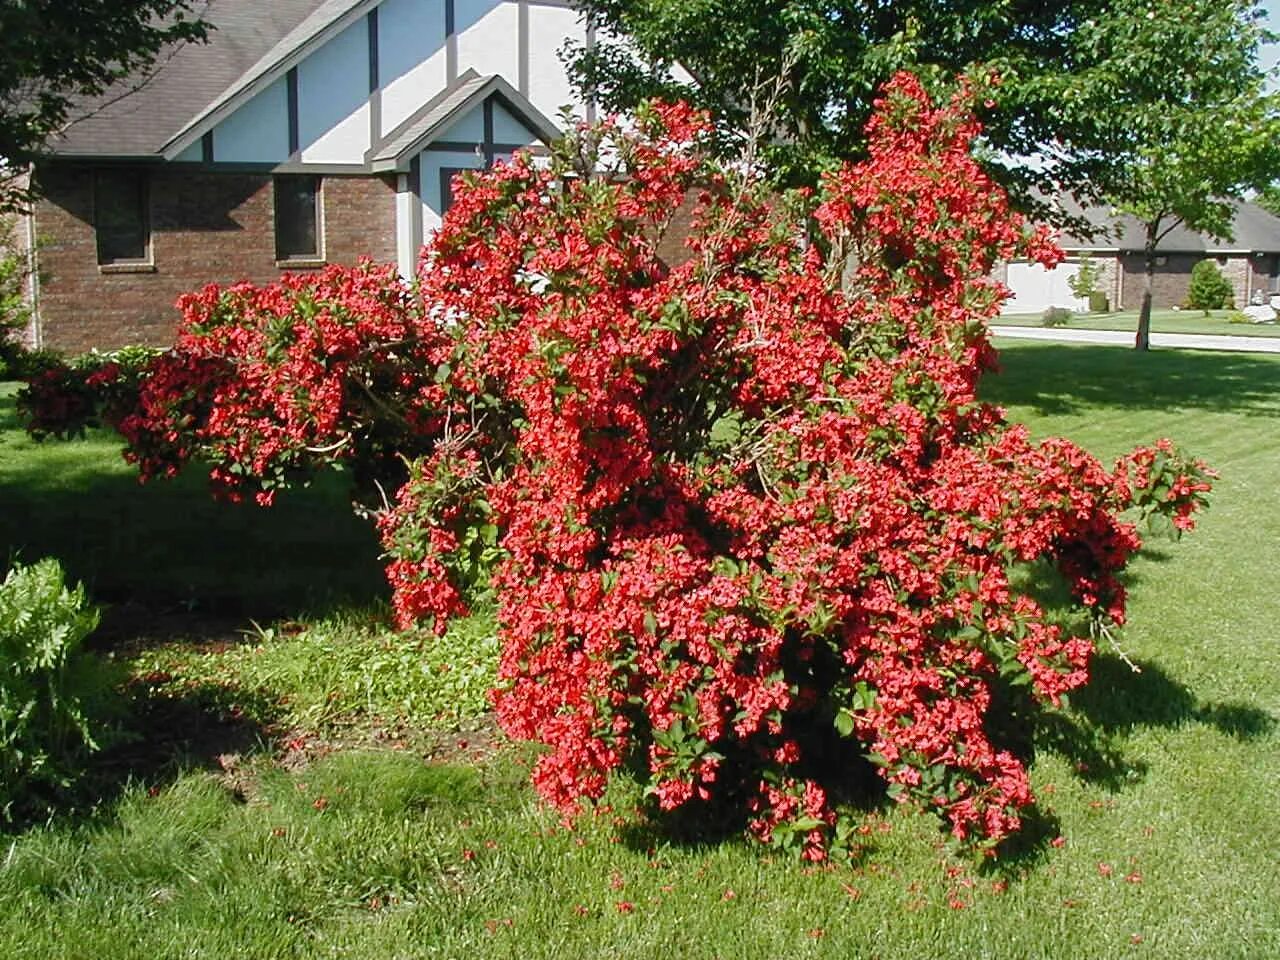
(44, 731)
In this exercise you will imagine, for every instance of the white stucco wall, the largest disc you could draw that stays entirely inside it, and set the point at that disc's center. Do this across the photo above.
(488, 37)
(333, 99)
(549, 88)
(411, 56)
(258, 132)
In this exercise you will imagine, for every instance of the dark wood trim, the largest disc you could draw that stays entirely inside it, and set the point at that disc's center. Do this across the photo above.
(461, 146)
(522, 43)
(291, 83)
(591, 99)
(415, 220)
(487, 146)
(450, 42)
(371, 25)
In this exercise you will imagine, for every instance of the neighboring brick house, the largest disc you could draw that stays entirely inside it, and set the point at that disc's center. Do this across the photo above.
(1250, 261)
(305, 132)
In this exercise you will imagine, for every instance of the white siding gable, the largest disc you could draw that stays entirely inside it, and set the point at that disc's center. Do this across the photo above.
(411, 57)
(488, 38)
(333, 99)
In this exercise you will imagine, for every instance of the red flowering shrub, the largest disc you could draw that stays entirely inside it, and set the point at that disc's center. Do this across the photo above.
(745, 519)
(754, 522)
(266, 384)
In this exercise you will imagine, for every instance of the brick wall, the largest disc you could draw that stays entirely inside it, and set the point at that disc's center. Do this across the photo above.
(1236, 270)
(1169, 285)
(1265, 270)
(205, 227)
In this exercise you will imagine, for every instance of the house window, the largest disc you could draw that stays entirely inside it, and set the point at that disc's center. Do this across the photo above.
(120, 217)
(298, 218)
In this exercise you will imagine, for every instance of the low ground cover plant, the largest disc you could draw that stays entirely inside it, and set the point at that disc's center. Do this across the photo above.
(751, 536)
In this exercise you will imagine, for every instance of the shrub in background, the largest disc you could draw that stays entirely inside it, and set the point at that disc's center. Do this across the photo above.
(1084, 282)
(44, 733)
(1055, 317)
(1208, 289)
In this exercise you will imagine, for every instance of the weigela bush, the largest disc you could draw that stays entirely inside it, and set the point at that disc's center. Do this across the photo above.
(745, 521)
(751, 522)
(268, 384)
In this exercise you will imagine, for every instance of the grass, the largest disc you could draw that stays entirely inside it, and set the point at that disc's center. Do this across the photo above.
(1163, 784)
(167, 543)
(1162, 321)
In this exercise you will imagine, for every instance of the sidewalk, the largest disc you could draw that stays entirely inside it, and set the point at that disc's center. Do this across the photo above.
(1124, 338)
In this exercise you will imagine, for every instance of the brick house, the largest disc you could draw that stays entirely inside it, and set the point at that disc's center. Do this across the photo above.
(305, 132)
(1250, 261)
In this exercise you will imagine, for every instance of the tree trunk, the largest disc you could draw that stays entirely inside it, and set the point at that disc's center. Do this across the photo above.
(1143, 339)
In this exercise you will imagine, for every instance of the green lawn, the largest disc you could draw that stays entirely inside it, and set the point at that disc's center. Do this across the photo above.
(277, 826)
(1162, 321)
(167, 543)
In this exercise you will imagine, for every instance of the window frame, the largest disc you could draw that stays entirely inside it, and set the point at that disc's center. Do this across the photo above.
(316, 256)
(113, 264)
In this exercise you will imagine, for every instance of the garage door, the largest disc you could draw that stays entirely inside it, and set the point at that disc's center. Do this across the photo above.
(1035, 288)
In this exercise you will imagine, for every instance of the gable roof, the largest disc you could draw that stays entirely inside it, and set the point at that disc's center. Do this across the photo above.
(439, 113)
(327, 20)
(190, 78)
(1254, 230)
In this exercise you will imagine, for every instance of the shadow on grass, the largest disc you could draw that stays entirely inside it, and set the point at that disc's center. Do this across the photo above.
(152, 735)
(1038, 376)
(1116, 702)
(168, 544)
(1117, 699)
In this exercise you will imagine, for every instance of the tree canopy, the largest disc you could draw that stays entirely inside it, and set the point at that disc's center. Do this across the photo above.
(1175, 126)
(1069, 73)
(55, 54)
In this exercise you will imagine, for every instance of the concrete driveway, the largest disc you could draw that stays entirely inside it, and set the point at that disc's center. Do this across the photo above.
(1124, 338)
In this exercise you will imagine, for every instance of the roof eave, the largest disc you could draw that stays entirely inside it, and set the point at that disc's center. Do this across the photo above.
(524, 111)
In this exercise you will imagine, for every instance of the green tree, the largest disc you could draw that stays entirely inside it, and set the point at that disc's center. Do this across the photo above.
(1172, 122)
(1208, 288)
(58, 54)
(1070, 73)
(1084, 281)
(834, 55)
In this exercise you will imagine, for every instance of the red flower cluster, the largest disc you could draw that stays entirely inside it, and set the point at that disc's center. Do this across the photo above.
(268, 384)
(754, 522)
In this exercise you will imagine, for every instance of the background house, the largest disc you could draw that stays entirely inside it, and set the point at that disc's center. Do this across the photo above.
(1250, 261)
(305, 132)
